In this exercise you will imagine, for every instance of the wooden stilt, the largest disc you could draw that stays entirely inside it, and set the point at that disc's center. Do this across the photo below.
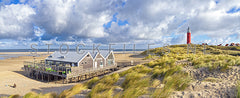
(55, 79)
(63, 80)
(48, 77)
(37, 75)
(67, 79)
(42, 76)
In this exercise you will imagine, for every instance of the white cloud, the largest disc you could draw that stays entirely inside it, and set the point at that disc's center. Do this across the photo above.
(16, 21)
(154, 19)
(158, 21)
(80, 18)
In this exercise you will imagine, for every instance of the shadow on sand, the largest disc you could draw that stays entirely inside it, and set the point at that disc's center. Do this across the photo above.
(137, 56)
(3, 95)
(57, 90)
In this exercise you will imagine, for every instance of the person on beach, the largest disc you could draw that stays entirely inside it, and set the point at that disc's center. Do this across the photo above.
(14, 85)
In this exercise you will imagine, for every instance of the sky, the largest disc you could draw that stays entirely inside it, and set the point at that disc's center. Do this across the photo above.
(140, 22)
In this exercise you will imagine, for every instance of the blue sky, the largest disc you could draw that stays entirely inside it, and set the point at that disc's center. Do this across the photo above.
(140, 22)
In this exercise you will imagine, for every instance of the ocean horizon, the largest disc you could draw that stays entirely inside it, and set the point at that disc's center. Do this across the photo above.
(12, 55)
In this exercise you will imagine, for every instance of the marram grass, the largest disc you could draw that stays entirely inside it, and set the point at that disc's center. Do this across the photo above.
(73, 91)
(35, 95)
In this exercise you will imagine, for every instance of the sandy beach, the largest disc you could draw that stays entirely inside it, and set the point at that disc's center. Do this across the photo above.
(11, 72)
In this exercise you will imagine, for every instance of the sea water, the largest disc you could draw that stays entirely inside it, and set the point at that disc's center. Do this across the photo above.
(7, 56)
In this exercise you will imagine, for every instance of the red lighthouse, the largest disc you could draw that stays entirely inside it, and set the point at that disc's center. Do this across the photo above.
(188, 36)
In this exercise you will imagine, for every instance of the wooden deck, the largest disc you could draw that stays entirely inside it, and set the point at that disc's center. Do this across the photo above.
(43, 72)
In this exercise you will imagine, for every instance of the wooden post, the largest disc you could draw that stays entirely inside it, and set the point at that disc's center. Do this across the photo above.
(55, 79)
(42, 76)
(48, 77)
(63, 80)
(37, 75)
(67, 79)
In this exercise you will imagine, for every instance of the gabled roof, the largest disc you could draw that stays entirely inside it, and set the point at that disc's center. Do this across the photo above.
(105, 53)
(71, 56)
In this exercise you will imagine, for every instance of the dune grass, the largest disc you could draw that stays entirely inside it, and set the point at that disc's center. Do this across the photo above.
(215, 62)
(174, 82)
(14, 96)
(35, 95)
(73, 91)
(138, 68)
(91, 82)
(137, 88)
(131, 78)
(104, 87)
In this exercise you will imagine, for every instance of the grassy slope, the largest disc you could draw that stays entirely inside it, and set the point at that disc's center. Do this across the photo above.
(159, 77)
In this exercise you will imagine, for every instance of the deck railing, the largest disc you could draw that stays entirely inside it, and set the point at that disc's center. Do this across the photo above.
(62, 70)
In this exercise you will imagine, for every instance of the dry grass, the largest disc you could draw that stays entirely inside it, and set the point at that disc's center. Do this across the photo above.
(73, 91)
(104, 87)
(35, 95)
(91, 82)
(14, 96)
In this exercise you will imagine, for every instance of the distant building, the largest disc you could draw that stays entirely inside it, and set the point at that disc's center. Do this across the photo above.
(188, 36)
(232, 44)
(237, 44)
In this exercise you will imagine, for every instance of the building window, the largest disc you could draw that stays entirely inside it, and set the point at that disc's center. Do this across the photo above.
(101, 63)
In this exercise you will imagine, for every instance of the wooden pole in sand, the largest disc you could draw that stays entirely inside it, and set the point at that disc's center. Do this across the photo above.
(37, 75)
(67, 79)
(48, 77)
(63, 80)
(42, 76)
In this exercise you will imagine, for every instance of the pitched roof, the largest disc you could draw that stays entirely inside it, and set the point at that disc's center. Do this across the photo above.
(73, 56)
(105, 53)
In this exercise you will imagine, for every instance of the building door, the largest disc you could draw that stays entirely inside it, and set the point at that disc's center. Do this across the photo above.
(95, 65)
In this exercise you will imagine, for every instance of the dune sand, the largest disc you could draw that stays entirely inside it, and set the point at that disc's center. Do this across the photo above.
(11, 72)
